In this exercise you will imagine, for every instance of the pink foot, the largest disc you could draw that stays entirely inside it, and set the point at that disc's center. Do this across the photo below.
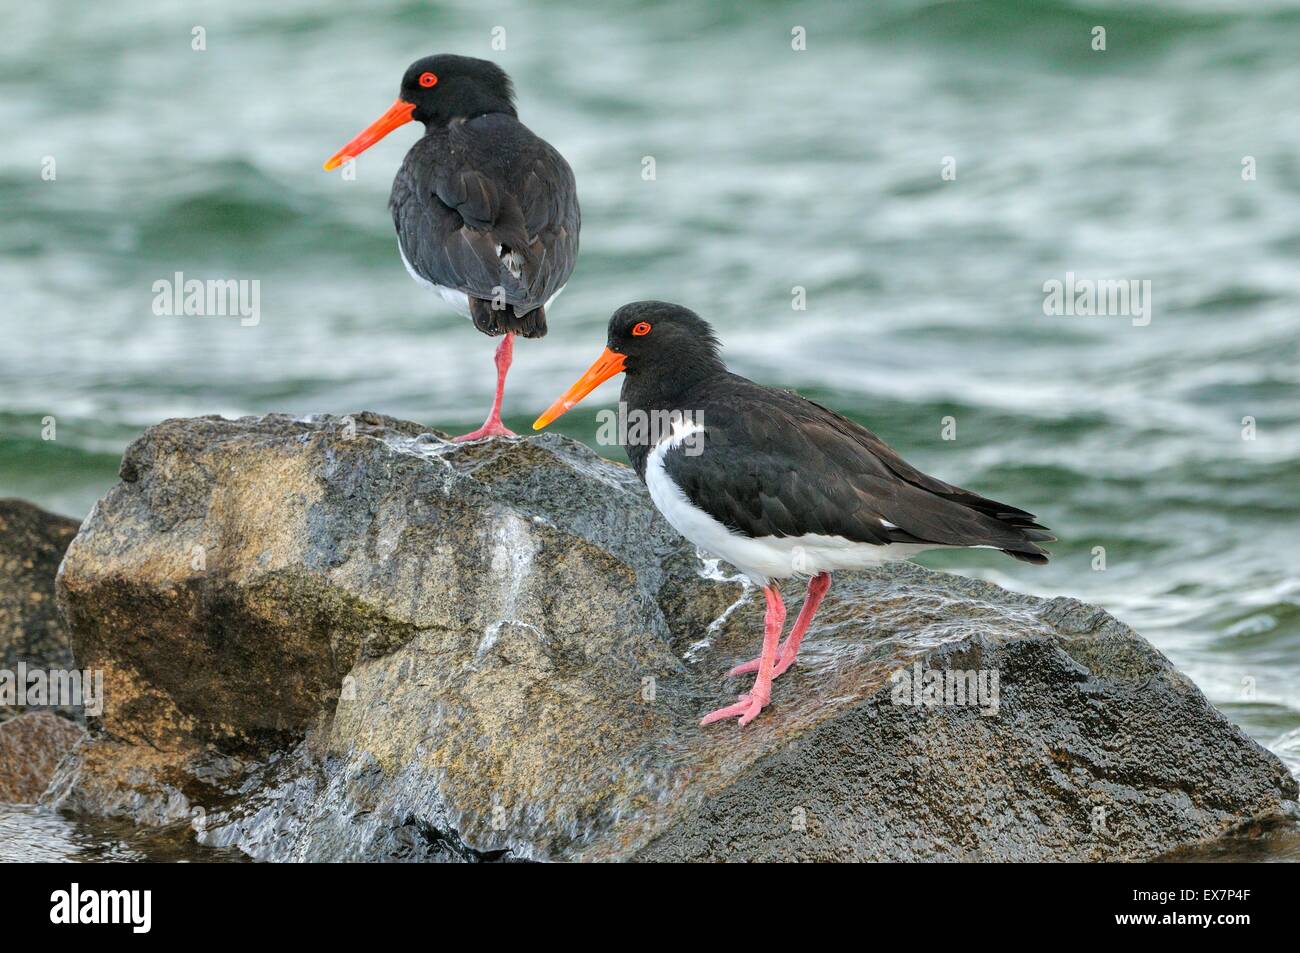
(751, 703)
(744, 668)
(788, 650)
(747, 708)
(493, 427)
(782, 664)
(489, 429)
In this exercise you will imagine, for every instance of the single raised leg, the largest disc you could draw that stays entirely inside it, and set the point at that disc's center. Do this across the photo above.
(749, 705)
(492, 427)
(785, 654)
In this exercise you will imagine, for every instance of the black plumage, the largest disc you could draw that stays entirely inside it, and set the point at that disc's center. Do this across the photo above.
(776, 485)
(482, 205)
(486, 212)
(776, 464)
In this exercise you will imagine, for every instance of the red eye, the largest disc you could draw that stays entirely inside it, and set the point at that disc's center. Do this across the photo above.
(428, 79)
(641, 330)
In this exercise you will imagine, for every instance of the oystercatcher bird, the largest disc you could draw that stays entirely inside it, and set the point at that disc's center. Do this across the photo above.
(773, 483)
(486, 212)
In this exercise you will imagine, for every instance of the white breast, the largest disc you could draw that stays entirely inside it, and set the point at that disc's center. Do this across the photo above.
(766, 557)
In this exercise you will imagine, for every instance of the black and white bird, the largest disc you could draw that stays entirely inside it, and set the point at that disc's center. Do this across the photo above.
(773, 483)
(486, 212)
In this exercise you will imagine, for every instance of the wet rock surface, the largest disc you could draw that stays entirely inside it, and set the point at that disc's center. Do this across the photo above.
(347, 638)
(32, 542)
(31, 747)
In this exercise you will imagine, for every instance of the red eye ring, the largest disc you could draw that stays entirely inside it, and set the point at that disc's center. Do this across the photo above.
(641, 329)
(428, 79)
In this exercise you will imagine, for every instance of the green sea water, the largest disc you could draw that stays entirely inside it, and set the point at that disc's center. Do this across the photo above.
(1172, 446)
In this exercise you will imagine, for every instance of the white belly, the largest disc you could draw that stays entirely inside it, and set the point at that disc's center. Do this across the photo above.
(766, 557)
(458, 300)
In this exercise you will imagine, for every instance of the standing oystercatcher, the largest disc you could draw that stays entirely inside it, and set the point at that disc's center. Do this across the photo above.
(774, 484)
(486, 212)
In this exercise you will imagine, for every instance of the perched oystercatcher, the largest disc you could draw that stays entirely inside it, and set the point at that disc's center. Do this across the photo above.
(486, 212)
(774, 484)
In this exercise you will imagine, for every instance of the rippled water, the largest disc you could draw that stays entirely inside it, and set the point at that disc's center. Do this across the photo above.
(37, 835)
(774, 169)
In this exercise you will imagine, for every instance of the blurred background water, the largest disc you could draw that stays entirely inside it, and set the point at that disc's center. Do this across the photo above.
(775, 168)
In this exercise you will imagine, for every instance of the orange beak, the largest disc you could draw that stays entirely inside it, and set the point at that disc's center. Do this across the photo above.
(398, 114)
(607, 365)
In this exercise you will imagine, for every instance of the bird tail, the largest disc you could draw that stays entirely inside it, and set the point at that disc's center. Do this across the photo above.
(1014, 531)
(497, 321)
(1026, 549)
(1030, 553)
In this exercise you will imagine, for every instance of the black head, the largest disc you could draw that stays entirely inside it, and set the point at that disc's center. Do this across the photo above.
(663, 339)
(663, 348)
(435, 91)
(447, 87)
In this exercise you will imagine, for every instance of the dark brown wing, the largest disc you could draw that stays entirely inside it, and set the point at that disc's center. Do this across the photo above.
(487, 205)
(775, 464)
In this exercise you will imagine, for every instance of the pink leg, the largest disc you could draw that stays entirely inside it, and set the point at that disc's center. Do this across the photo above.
(785, 655)
(751, 704)
(492, 427)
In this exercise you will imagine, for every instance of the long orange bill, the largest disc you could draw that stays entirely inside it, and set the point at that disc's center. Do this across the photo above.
(398, 114)
(607, 365)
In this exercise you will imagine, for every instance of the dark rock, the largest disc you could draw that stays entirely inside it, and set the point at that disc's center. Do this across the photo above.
(346, 638)
(32, 543)
(31, 747)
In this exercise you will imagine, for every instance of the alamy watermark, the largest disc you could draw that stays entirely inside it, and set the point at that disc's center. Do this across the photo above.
(650, 428)
(1129, 298)
(63, 688)
(224, 297)
(933, 688)
(133, 908)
